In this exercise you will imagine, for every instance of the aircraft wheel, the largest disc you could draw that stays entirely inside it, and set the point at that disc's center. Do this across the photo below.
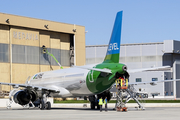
(98, 107)
(42, 105)
(92, 105)
(48, 105)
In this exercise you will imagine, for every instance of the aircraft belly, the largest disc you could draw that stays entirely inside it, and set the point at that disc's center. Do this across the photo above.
(76, 86)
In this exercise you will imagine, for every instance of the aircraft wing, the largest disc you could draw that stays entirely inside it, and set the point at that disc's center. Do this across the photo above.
(149, 69)
(152, 82)
(96, 69)
(30, 86)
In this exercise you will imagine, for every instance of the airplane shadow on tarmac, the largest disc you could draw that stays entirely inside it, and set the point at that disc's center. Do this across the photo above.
(111, 109)
(88, 109)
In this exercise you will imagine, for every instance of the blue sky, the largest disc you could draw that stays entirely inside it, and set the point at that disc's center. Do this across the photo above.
(144, 21)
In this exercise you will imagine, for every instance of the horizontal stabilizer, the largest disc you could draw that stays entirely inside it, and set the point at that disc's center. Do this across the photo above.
(152, 82)
(149, 69)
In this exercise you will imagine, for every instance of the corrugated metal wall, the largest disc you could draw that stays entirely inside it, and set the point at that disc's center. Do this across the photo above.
(144, 55)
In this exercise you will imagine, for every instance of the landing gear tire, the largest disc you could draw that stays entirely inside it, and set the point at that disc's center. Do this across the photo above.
(42, 105)
(92, 105)
(48, 106)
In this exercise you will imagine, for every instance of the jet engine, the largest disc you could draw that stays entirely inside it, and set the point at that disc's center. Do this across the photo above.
(23, 97)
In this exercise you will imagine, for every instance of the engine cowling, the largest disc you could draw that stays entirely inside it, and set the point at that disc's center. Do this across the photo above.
(23, 97)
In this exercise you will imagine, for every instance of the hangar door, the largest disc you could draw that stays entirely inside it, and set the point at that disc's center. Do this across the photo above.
(178, 82)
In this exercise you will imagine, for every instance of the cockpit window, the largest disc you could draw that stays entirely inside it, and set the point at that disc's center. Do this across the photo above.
(38, 76)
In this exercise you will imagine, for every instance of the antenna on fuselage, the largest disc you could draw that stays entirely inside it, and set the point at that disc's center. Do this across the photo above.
(45, 51)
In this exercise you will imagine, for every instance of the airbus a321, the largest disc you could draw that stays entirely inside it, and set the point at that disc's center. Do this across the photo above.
(88, 80)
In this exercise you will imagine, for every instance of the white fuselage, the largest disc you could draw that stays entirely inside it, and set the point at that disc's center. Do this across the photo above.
(70, 82)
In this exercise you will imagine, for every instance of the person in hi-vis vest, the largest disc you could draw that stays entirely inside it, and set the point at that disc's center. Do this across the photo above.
(100, 103)
(105, 103)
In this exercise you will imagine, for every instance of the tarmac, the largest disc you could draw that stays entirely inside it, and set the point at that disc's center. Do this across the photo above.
(56, 113)
(153, 111)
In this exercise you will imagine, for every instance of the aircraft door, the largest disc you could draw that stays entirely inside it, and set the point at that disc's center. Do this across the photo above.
(90, 76)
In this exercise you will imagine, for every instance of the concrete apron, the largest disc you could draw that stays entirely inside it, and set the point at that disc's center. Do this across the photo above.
(112, 105)
(4, 103)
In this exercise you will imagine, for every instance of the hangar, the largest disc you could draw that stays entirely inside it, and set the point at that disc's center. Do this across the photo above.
(21, 41)
(147, 55)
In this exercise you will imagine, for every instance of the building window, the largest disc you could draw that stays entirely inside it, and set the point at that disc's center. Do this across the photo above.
(56, 53)
(138, 80)
(32, 55)
(65, 57)
(18, 54)
(154, 79)
(155, 94)
(25, 54)
(45, 59)
(4, 52)
(49, 60)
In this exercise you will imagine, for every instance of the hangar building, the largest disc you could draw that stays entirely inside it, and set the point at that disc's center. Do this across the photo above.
(147, 55)
(21, 41)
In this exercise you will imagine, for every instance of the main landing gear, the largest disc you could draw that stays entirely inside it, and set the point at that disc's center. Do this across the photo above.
(44, 104)
(94, 99)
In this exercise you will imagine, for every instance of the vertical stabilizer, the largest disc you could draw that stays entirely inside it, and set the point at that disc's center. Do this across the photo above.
(112, 55)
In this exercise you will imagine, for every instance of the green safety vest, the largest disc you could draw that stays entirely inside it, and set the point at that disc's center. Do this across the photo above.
(100, 101)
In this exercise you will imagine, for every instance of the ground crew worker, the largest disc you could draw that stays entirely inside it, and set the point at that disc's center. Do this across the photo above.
(105, 103)
(100, 103)
(123, 81)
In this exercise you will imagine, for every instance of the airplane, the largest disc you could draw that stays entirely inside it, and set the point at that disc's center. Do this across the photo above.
(76, 81)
